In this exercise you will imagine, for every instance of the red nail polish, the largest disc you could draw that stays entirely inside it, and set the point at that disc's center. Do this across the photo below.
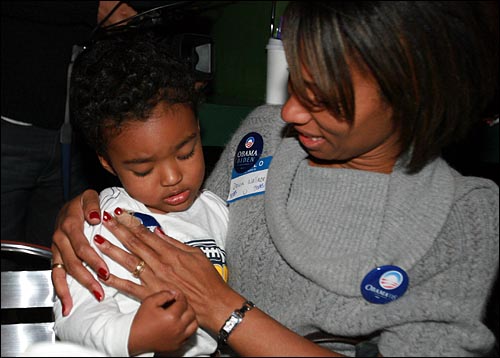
(99, 239)
(102, 273)
(160, 230)
(63, 310)
(118, 211)
(94, 215)
(97, 295)
(106, 216)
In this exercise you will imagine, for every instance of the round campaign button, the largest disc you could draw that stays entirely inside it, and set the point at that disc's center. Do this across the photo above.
(248, 152)
(384, 284)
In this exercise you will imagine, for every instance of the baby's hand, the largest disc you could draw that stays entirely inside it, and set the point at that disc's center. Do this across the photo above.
(162, 324)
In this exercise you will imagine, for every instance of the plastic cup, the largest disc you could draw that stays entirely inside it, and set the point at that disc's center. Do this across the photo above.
(277, 73)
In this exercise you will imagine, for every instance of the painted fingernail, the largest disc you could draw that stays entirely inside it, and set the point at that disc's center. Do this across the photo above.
(106, 216)
(94, 215)
(161, 230)
(118, 211)
(99, 239)
(63, 310)
(102, 273)
(97, 295)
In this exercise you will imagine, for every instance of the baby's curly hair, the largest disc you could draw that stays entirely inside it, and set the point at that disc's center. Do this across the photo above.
(121, 78)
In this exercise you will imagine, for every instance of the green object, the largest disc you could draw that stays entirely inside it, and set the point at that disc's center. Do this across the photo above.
(219, 121)
(489, 144)
(240, 30)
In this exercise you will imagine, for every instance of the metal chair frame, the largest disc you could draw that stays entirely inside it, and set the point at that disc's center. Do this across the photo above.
(24, 290)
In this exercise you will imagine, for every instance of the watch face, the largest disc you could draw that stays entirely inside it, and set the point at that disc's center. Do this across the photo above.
(231, 323)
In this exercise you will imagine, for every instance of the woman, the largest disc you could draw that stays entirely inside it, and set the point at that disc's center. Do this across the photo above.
(343, 218)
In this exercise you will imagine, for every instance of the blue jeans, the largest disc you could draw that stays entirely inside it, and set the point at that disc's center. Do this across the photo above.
(32, 189)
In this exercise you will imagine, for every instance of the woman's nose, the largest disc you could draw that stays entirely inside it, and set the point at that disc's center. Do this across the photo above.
(294, 112)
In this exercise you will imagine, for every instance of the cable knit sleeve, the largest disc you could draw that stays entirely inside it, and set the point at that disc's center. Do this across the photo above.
(443, 314)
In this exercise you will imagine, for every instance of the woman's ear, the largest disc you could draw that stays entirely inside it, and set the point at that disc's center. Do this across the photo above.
(105, 164)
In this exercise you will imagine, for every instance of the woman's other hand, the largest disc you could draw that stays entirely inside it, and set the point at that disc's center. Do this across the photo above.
(71, 248)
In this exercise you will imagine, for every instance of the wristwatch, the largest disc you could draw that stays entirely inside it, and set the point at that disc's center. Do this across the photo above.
(233, 321)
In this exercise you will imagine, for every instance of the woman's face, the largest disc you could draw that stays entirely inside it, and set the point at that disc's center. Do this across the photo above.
(370, 142)
(159, 161)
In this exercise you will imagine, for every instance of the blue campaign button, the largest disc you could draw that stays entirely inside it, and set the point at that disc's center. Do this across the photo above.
(248, 152)
(384, 284)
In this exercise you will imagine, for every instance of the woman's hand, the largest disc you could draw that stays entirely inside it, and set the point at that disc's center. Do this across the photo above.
(163, 323)
(71, 247)
(170, 263)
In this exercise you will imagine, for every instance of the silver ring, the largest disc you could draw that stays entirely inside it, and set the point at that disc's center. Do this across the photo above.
(139, 268)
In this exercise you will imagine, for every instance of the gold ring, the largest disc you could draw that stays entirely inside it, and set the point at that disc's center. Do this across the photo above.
(58, 265)
(139, 268)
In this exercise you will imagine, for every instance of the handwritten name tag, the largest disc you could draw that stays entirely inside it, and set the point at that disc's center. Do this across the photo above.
(252, 182)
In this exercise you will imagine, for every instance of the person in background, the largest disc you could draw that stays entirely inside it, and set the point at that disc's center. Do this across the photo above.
(139, 116)
(344, 220)
(37, 45)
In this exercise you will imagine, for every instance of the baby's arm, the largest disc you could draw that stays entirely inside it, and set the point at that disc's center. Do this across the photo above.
(100, 325)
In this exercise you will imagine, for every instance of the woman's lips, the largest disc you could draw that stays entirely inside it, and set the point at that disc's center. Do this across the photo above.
(310, 142)
(177, 198)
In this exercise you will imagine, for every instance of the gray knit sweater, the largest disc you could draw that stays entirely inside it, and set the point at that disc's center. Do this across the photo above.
(301, 250)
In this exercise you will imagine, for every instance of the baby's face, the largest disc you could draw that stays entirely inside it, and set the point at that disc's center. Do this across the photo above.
(159, 161)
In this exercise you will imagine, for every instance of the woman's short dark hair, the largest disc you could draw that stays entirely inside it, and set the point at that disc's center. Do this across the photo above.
(122, 77)
(435, 62)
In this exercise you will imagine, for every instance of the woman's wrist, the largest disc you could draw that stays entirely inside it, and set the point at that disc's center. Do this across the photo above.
(229, 302)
